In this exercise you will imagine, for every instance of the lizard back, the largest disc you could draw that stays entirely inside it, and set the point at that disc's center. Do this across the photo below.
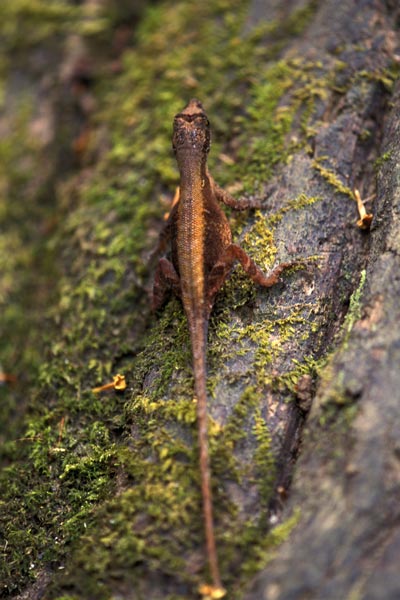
(201, 230)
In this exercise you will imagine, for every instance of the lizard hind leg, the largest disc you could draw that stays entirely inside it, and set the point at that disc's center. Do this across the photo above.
(233, 252)
(166, 279)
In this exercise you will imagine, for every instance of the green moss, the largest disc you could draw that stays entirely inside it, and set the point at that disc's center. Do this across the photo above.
(283, 97)
(385, 76)
(338, 392)
(381, 160)
(354, 311)
(330, 177)
(338, 413)
(264, 459)
(265, 340)
(338, 405)
(27, 23)
(25, 262)
(266, 549)
(309, 366)
(234, 430)
(302, 201)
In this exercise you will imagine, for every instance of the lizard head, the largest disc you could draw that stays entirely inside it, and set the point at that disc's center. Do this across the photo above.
(191, 129)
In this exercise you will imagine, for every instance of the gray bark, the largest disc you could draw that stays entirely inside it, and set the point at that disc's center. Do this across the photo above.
(347, 479)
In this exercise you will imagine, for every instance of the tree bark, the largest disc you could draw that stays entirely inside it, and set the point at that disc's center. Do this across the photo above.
(101, 495)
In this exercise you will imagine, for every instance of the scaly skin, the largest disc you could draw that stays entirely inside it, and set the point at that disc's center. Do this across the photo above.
(202, 256)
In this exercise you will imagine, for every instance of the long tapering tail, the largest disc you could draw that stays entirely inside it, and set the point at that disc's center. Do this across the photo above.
(199, 340)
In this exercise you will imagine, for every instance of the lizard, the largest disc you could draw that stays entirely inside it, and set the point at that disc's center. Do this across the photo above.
(202, 255)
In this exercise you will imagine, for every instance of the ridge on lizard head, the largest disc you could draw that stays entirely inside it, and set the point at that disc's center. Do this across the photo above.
(191, 131)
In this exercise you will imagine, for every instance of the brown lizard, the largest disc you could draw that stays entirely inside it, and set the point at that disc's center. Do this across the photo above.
(202, 254)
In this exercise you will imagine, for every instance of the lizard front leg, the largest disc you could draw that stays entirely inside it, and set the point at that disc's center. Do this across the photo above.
(225, 197)
(165, 279)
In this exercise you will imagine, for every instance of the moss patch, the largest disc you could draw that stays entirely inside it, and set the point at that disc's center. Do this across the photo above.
(331, 177)
(27, 23)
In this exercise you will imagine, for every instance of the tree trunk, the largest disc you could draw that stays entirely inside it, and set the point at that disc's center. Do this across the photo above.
(100, 491)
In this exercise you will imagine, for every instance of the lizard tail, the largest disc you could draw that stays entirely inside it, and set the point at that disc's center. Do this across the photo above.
(199, 338)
